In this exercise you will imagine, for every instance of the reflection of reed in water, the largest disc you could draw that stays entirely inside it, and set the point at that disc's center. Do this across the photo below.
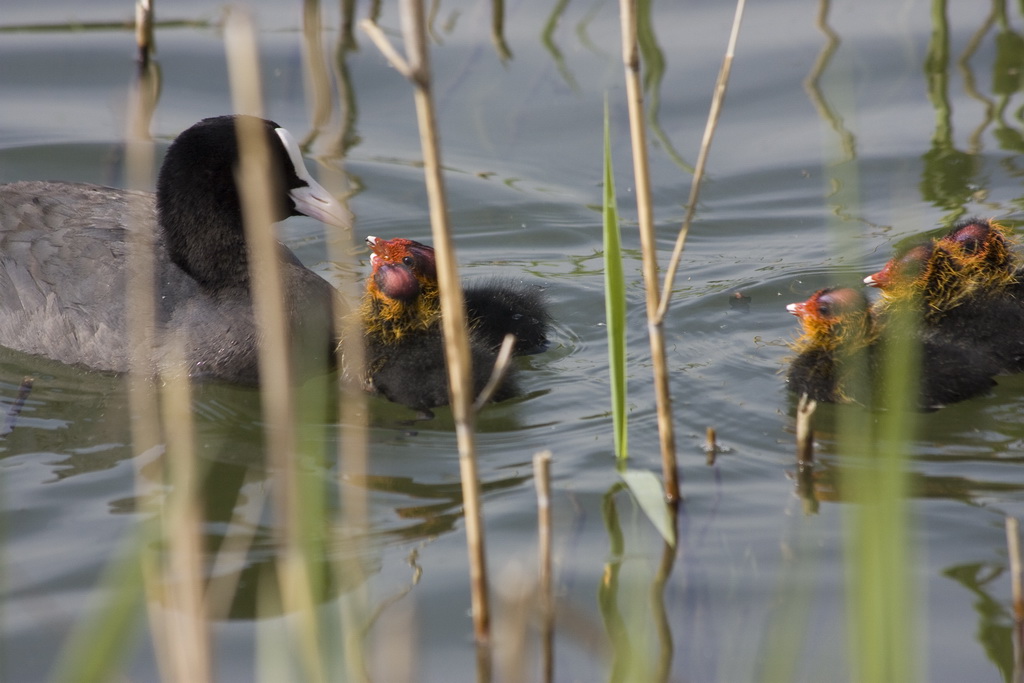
(812, 84)
(948, 173)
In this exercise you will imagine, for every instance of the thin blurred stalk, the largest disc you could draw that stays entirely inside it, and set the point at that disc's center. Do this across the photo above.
(877, 552)
(182, 613)
(278, 401)
(501, 366)
(657, 304)
(352, 454)
(140, 288)
(702, 159)
(1016, 568)
(144, 31)
(1017, 594)
(178, 536)
(516, 593)
(880, 594)
(454, 326)
(317, 77)
(456, 338)
(102, 639)
(542, 480)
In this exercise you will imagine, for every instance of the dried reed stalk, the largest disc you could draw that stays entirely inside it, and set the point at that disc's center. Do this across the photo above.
(144, 31)
(1013, 550)
(140, 288)
(649, 248)
(657, 304)
(542, 480)
(183, 612)
(417, 70)
(145, 420)
(501, 366)
(702, 158)
(351, 525)
(277, 399)
(711, 445)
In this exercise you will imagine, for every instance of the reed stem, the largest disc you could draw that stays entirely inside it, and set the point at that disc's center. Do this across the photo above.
(649, 249)
(416, 67)
(277, 395)
(1013, 550)
(702, 159)
(542, 480)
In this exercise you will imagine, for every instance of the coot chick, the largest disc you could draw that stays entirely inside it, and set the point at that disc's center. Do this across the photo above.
(840, 351)
(974, 258)
(64, 250)
(837, 331)
(401, 315)
(967, 288)
(497, 307)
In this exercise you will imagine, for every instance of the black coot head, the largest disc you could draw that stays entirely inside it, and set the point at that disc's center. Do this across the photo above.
(199, 205)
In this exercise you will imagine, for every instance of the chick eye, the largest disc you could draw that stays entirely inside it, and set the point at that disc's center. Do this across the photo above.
(408, 260)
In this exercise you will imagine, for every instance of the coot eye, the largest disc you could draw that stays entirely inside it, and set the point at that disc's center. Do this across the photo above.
(408, 260)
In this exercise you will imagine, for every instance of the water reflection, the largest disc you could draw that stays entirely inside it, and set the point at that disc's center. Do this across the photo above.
(995, 622)
(829, 478)
(830, 483)
(813, 83)
(240, 529)
(949, 173)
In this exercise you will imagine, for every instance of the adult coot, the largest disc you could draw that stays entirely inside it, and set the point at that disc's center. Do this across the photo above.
(64, 261)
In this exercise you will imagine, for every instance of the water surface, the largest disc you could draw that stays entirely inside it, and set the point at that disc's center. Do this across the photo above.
(834, 146)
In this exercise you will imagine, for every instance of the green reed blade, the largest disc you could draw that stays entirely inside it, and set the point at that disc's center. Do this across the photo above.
(614, 299)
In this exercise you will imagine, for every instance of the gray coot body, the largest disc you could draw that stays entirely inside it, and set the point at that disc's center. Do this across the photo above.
(64, 260)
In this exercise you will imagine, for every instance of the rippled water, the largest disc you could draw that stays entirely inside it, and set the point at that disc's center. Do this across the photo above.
(823, 161)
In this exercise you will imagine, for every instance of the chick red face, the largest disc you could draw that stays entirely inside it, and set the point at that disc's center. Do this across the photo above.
(827, 305)
(902, 268)
(401, 266)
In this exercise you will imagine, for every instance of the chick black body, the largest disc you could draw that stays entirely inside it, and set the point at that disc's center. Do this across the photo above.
(841, 352)
(967, 287)
(401, 317)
